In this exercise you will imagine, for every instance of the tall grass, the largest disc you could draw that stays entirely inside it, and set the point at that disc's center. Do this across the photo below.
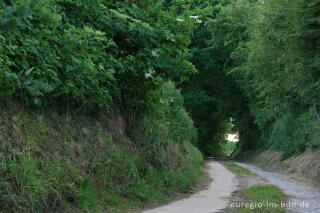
(65, 162)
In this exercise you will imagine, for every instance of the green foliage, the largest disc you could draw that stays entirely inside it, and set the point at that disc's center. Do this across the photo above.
(93, 54)
(213, 97)
(169, 128)
(278, 77)
(71, 163)
(227, 148)
(258, 74)
(258, 64)
(95, 57)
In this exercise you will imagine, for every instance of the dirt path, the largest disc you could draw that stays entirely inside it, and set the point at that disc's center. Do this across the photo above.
(210, 200)
(303, 197)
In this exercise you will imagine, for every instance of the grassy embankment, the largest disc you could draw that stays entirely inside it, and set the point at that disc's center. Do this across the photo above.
(66, 162)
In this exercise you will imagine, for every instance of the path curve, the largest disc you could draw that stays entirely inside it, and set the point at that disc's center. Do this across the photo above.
(210, 200)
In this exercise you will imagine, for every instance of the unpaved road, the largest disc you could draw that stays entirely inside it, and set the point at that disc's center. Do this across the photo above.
(300, 193)
(211, 200)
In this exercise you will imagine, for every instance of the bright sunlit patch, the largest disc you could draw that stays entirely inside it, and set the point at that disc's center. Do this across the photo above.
(233, 137)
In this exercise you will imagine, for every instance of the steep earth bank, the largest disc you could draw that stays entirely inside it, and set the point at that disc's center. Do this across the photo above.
(53, 161)
(305, 166)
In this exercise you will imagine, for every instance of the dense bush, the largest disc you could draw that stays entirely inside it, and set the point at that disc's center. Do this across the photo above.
(73, 163)
(91, 54)
(62, 58)
(258, 63)
(279, 75)
(213, 96)
(166, 124)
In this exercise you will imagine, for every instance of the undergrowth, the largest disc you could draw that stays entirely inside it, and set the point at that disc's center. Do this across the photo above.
(71, 162)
